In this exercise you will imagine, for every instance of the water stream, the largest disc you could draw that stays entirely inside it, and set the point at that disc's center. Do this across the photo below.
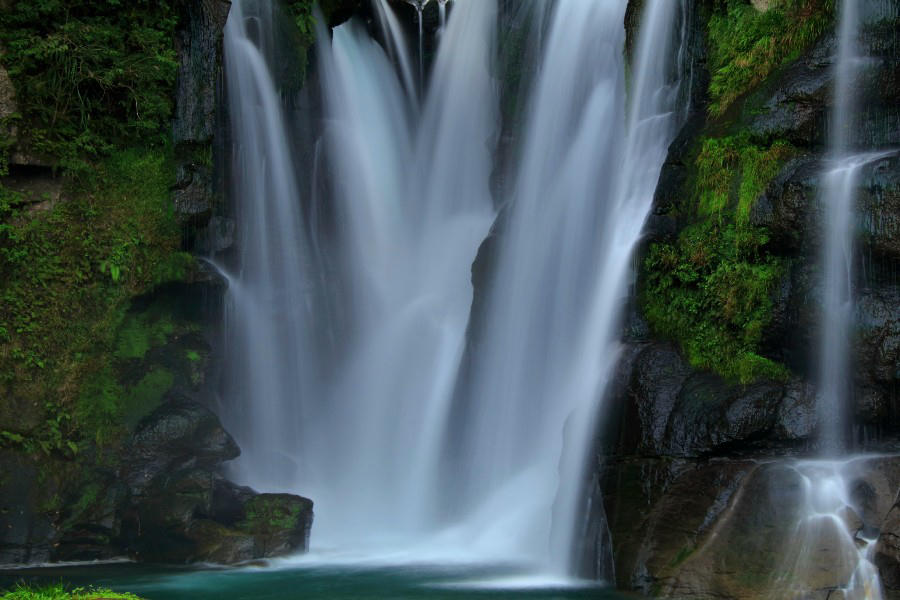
(827, 528)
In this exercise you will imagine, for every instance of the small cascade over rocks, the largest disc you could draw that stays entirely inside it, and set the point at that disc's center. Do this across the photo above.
(824, 522)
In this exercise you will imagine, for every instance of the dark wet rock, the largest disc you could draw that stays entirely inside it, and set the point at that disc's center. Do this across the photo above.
(788, 207)
(797, 104)
(594, 547)
(26, 529)
(671, 410)
(181, 434)
(194, 197)
(280, 523)
(217, 236)
(878, 339)
(180, 529)
(198, 43)
(887, 552)
(718, 528)
(228, 501)
(878, 206)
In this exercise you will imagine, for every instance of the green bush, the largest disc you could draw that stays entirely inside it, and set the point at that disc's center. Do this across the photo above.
(733, 167)
(90, 75)
(745, 45)
(711, 291)
(59, 592)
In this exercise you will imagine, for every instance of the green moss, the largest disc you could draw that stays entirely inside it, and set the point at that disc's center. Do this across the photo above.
(711, 291)
(67, 278)
(147, 394)
(271, 513)
(60, 592)
(140, 332)
(746, 46)
(759, 166)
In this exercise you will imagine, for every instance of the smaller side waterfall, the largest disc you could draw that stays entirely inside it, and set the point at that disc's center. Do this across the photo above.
(837, 259)
(826, 541)
(825, 523)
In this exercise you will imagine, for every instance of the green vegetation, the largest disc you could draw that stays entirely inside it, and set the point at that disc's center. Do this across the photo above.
(710, 289)
(68, 276)
(59, 592)
(90, 75)
(270, 513)
(746, 46)
(730, 161)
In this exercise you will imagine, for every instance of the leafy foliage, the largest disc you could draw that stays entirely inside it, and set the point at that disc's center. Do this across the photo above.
(746, 45)
(734, 166)
(90, 75)
(710, 290)
(59, 592)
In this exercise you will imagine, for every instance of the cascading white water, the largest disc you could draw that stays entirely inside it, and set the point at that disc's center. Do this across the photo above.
(392, 442)
(824, 524)
(583, 188)
(413, 205)
(420, 11)
(837, 197)
(396, 45)
(272, 359)
(825, 537)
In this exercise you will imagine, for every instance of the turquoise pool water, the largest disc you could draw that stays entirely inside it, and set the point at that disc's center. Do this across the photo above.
(312, 581)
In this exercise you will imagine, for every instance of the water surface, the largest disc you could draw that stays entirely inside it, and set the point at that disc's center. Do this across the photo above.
(310, 580)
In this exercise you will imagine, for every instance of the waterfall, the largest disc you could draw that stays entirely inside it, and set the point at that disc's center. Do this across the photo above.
(413, 204)
(438, 422)
(839, 183)
(582, 190)
(827, 483)
(271, 362)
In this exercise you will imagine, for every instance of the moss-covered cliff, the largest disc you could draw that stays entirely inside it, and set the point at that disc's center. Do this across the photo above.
(715, 386)
(109, 118)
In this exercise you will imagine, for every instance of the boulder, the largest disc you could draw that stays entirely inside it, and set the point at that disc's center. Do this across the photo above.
(887, 551)
(27, 532)
(178, 436)
(668, 409)
(744, 529)
(280, 523)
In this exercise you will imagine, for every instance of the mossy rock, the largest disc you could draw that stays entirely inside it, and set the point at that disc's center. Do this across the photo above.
(280, 522)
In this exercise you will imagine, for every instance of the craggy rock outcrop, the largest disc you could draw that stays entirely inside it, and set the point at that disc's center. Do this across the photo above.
(665, 408)
(887, 552)
(690, 518)
(199, 48)
(166, 501)
(181, 510)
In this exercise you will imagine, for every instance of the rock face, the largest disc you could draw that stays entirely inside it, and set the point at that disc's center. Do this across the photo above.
(199, 48)
(166, 502)
(183, 511)
(702, 499)
(701, 486)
